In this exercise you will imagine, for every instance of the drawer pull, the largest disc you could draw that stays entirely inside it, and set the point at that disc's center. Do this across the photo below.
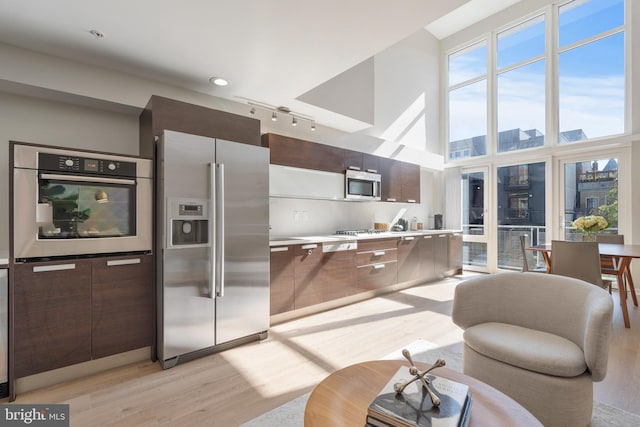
(372, 170)
(411, 200)
(116, 262)
(391, 199)
(379, 253)
(312, 246)
(428, 237)
(378, 266)
(442, 235)
(280, 249)
(354, 168)
(58, 267)
(408, 238)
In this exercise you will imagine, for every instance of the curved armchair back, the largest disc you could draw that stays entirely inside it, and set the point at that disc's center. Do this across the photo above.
(564, 306)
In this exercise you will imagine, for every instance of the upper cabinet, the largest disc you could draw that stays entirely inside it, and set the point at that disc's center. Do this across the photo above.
(298, 153)
(400, 180)
(163, 113)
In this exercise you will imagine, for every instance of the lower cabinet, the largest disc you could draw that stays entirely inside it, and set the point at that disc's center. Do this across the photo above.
(304, 275)
(73, 311)
(377, 264)
(52, 316)
(307, 277)
(121, 305)
(282, 284)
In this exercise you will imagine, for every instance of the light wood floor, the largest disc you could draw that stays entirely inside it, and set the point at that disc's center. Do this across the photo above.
(234, 386)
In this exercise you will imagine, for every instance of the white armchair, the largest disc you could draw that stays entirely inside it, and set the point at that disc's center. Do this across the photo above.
(541, 339)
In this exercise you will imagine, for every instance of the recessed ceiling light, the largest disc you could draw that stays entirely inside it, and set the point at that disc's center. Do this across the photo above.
(218, 81)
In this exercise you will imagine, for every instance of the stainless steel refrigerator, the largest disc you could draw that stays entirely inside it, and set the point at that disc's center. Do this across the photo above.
(213, 245)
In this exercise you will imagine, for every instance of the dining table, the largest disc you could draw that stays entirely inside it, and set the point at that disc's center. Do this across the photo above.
(622, 255)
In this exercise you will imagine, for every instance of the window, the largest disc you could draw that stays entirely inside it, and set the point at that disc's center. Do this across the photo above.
(585, 99)
(591, 91)
(468, 102)
(521, 86)
(590, 188)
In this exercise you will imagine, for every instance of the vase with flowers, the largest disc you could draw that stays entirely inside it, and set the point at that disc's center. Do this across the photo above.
(590, 224)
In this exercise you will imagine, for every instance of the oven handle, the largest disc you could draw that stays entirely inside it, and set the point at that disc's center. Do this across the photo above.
(87, 178)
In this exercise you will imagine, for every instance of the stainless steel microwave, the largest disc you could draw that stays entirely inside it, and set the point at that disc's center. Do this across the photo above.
(362, 185)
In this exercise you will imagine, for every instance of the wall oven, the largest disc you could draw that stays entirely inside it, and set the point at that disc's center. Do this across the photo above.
(74, 203)
(362, 185)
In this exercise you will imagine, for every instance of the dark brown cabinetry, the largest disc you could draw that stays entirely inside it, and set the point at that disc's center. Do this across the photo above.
(282, 284)
(163, 113)
(308, 278)
(410, 180)
(298, 153)
(357, 160)
(122, 304)
(52, 315)
(377, 262)
(400, 180)
(455, 253)
(427, 257)
(338, 274)
(76, 310)
(408, 259)
(441, 254)
(391, 171)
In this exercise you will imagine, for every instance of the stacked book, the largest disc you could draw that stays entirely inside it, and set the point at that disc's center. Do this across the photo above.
(414, 407)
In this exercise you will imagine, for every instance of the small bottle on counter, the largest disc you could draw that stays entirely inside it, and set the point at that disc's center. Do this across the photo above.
(414, 223)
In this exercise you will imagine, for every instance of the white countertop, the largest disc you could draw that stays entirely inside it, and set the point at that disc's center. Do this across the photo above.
(301, 240)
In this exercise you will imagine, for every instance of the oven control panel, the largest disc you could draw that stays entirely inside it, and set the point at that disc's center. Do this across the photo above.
(85, 165)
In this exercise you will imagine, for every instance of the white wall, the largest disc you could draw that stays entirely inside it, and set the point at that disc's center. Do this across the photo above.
(33, 120)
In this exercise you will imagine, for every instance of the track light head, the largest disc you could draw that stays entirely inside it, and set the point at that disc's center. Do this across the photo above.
(294, 121)
(274, 116)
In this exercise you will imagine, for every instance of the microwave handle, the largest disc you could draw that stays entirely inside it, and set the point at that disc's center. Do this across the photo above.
(76, 178)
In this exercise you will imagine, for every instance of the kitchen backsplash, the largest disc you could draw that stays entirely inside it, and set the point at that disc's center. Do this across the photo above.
(304, 217)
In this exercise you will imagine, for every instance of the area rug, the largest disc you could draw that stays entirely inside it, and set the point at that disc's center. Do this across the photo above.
(291, 414)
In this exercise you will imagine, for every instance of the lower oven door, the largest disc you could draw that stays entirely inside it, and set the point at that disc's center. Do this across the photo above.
(63, 215)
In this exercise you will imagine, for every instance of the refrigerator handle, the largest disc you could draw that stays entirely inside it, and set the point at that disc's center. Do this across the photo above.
(219, 224)
(212, 232)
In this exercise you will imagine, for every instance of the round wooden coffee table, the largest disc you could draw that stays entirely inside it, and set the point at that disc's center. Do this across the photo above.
(343, 397)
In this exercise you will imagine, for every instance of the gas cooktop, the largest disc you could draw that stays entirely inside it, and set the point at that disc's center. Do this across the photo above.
(359, 231)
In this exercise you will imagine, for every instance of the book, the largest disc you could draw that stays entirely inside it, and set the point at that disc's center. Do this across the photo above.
(414, 408)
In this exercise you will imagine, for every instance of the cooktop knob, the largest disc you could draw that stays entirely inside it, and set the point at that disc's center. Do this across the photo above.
(111, 166)
(68, 162)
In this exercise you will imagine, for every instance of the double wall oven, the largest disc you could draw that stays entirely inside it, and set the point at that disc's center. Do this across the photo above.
(69, 203)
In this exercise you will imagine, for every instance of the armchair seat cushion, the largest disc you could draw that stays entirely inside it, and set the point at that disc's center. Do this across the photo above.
(527, 348)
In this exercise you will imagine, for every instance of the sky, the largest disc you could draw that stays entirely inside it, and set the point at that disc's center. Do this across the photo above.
(591, 76)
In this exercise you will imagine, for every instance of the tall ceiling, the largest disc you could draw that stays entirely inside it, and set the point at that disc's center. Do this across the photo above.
(270, 51)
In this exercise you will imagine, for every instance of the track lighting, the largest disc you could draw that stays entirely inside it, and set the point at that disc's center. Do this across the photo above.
(295, 117)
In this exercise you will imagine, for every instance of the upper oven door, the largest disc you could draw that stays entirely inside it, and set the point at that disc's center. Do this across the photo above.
(79, 207)
(64, 215)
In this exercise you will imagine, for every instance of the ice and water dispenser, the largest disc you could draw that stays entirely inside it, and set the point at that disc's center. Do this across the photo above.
(188, 221)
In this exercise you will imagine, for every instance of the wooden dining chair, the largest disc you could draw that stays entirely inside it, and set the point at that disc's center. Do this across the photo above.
(580, 260)
(528, 260)
(607, 264)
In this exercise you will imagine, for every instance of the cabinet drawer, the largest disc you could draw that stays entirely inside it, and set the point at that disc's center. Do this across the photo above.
(382, 255)
(377, 244)
(377, 276)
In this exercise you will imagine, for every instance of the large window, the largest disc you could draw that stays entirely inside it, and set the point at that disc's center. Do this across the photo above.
(521, 86)
(591, 69)
(501, 84)
(468, 102)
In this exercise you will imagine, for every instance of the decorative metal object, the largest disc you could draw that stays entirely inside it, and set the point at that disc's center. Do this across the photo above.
(417, 375)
